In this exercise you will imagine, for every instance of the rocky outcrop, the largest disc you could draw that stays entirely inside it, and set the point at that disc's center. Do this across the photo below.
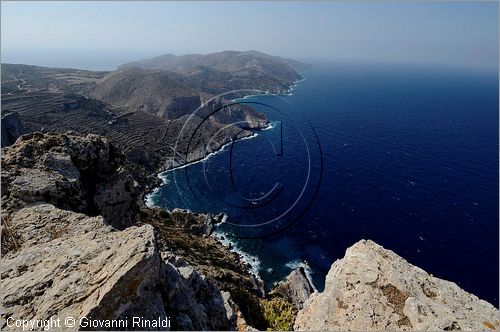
(194, 301)
(296, 288)
(12, 128)
(82, 174)
(69, 264)
(184, 234)
(372, 288)
(58, 263)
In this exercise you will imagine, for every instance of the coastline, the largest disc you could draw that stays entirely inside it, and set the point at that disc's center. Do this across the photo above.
(161, 175)
(252, 261)
(291, 87)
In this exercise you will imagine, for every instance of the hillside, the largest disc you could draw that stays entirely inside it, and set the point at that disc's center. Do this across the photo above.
(153, 91)
(238, 69)
(141, 111)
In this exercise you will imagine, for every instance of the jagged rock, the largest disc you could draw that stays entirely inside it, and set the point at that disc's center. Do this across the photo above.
(84, 174)
(12, 128)
(296, 288)
(194, 301)
(223, 268)
(372, 288)
(197, 223)
(69, 264)
(58, 263)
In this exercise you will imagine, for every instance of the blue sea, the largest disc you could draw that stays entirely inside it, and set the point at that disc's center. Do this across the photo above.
(404, 156)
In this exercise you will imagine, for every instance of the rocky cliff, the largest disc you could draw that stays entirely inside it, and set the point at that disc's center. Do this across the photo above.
(12, 128)
(295, 289)
(372, 288)
(82, 174)
(76, 244)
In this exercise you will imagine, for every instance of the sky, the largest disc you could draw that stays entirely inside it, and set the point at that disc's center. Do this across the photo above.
(102, 35)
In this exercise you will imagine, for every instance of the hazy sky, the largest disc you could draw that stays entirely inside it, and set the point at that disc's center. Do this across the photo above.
(101, 35)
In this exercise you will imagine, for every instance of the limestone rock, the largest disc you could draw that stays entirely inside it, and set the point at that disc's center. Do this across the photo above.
(372, 288)
(73, 265)
(69, 264)
(82, 174)
(296, 288)
(194, 301)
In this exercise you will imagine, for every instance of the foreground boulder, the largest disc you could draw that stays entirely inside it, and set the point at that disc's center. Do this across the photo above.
(72, 265)
(372, 288)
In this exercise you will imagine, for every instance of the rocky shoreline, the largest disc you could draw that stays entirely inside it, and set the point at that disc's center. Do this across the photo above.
(82, 246)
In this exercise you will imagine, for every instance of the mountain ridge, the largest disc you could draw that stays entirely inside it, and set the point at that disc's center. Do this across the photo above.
(237, 69)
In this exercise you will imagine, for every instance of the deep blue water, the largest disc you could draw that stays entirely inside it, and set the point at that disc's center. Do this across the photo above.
(409, 160)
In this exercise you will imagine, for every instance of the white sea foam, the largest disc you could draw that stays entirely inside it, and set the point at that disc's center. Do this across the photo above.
(293, 86)
(295, 264)
(149, 199)
(271, 125)
(251, 260)
(208, 156)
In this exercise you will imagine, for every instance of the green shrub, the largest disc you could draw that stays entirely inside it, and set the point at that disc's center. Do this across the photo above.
(279, 314)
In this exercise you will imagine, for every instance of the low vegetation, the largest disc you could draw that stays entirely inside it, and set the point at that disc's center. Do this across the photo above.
(278, 314)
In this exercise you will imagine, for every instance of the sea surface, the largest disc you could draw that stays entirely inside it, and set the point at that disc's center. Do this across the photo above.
(404, 156)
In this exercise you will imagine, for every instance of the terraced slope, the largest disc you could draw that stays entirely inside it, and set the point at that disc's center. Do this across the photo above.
(54, 100)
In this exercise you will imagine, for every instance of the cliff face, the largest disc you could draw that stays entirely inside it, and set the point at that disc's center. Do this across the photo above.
(372, 288)
(296, 288)
(12, 128)
(73, 244)
(83, 174)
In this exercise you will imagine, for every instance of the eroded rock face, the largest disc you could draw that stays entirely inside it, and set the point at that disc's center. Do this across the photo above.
(194, 301)
(12, 128)
(296, 288)
(83, 174)
(372, 288)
